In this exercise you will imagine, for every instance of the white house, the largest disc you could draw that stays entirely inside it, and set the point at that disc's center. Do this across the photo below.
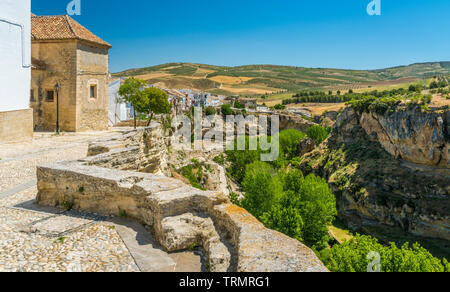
(16, 118)
(117, 111)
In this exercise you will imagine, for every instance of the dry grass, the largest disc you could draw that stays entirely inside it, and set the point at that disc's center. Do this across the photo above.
(319, 108)
(230, 80)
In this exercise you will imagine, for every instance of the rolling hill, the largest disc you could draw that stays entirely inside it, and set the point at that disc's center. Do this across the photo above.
(269, 79)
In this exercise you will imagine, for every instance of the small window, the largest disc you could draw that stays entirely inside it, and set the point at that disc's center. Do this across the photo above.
(50, 96)
(93, 91)
(32, 98)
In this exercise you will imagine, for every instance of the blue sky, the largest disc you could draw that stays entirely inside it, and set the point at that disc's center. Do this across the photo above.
(309, 33)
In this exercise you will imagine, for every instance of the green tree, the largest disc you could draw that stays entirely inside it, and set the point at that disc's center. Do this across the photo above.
(132, 91)
(263, 188)
(289, 141)
(317, 206)
(226, 110)
(286, 220)
(210, 111)
(238, 105)
(318, 134)
(156, 102)
(352, 256)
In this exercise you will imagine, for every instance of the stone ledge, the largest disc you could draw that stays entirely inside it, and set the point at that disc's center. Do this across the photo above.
(233, 239)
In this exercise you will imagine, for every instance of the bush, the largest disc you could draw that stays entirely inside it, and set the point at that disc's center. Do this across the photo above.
(351, 256)
(263, 188)
(226, 110)
(210, 111)
(285, 220)
(289, 141)
(317, 206)
(318, 134)
(239, 105)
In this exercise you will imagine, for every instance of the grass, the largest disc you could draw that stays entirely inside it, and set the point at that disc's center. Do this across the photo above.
(61, 240)
(341, 235)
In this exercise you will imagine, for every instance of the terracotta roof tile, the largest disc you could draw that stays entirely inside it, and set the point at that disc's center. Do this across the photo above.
(61, 27)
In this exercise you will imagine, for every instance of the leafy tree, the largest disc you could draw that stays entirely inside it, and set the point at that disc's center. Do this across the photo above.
(279, 107)
(156, 102)
(240, 159)
(285, 220)
(351, 256)
(238, 105)
(317, 206)
(289, 141)
(210, 111)
(263, 188)
(226, 110)
(318, 134)
(131, 91)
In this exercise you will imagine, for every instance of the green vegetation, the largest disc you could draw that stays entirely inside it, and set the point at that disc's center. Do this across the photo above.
(318, 134)
(263, 188)
(281, 197)
(210, 111)
(277, 80)
(220, 159)
(352, 256)
(239, 105)
(156, 101)
(131, 92)
(289, 141)
(147, 101)
(226, 110)
(194, 173)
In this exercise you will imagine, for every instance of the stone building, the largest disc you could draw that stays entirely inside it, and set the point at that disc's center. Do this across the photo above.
(65, 52)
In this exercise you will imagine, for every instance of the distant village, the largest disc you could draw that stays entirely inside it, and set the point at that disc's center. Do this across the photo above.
(182, 100)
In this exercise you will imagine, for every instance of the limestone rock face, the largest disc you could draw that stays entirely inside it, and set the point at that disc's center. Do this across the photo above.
(411, 135)
(374, 188)
(181, 216)
(305, 146)
(290, 121)
(143, 150)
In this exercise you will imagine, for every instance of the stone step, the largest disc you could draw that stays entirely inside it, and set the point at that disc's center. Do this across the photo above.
(187, 231)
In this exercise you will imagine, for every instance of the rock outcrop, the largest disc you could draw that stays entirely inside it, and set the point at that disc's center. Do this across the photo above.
(412, 135)
(180, 216)
(375, 188)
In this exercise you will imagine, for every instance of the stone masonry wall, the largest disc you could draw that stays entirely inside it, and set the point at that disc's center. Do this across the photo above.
(16, 126)
(180, 216)
(59, 59)
(92, 66)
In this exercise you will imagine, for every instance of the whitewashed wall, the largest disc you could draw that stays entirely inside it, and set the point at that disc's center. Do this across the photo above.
(116, 111)
(15, 72)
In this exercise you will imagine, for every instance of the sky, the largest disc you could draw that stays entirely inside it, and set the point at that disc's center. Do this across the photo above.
(306, 33)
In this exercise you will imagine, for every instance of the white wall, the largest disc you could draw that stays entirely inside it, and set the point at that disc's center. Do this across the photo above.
(14, 77)
(116, 111)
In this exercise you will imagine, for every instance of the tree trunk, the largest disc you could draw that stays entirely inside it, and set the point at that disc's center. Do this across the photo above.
(134, 111)
(150, 120)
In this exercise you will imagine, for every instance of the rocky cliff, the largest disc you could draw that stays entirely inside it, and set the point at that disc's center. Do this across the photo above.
(111, 182)
(389, 170)
(412, 135)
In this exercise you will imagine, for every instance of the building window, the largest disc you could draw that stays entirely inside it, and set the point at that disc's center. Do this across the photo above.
(50, 96)
(32, 98)
(93, 91)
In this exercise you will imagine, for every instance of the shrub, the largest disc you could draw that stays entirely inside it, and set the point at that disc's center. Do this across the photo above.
(318, 134)
(289, 141)
(226, 110)
(238, 105)
(351, 256)
(210, 111)
(263, 188)
(285, 220)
